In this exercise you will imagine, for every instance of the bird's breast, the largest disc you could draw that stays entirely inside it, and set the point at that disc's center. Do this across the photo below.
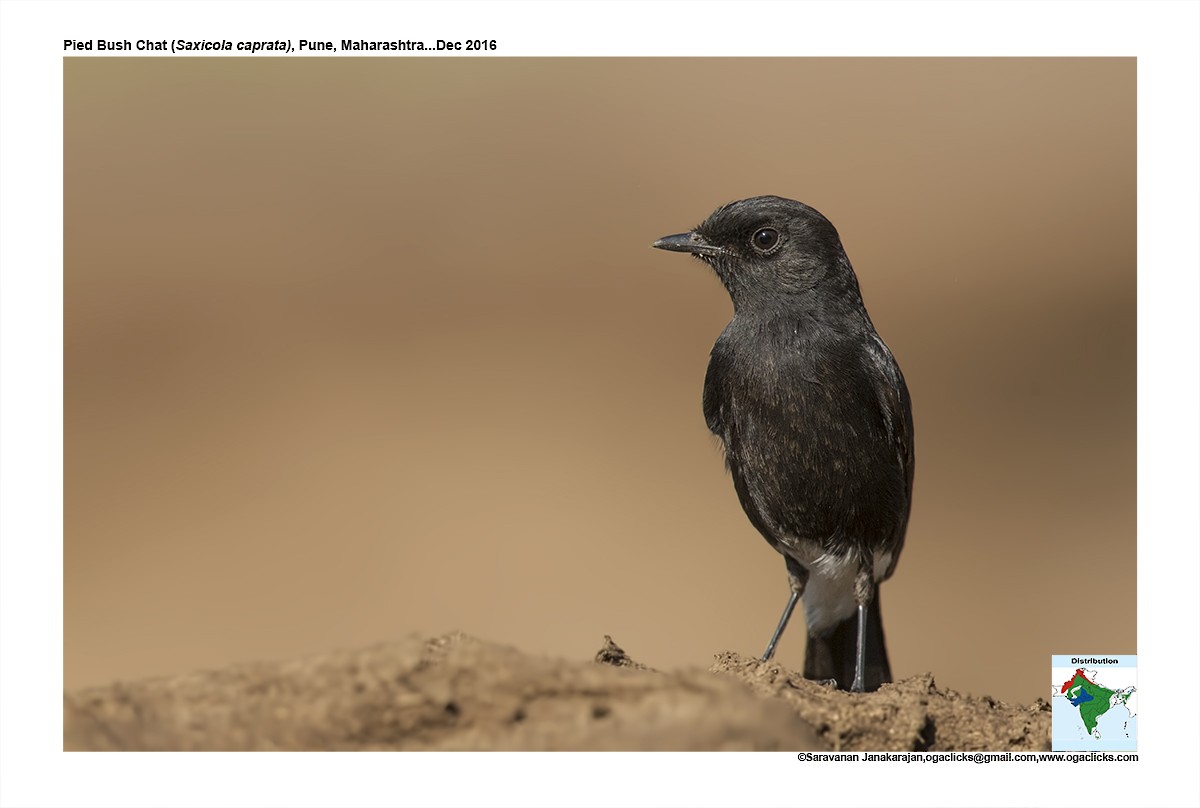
(809, 450)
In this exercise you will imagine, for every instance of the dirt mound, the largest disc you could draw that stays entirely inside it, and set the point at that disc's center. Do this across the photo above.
(456, 692)
(911, 715)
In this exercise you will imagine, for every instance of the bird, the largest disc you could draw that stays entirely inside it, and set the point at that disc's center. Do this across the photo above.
(816, 423)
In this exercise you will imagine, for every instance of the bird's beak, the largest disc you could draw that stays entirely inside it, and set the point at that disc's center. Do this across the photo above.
(692, 243)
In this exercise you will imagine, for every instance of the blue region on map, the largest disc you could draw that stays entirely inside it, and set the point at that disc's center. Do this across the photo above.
(1083, 696)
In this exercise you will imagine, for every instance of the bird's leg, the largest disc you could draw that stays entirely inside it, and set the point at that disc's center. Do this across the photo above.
(797, 577)
(783, 621)
(864, 590)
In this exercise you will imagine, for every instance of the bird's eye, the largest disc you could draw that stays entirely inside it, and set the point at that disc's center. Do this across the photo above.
(765, 239)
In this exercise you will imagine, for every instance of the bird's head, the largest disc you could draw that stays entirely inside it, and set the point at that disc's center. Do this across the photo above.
(768, 250)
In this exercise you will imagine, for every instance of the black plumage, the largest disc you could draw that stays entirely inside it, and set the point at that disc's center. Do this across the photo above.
(816, 423)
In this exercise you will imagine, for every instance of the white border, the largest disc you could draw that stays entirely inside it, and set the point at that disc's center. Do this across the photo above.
(1162, 35)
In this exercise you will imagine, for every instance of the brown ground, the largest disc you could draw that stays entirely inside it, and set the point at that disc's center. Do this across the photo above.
(459, 693)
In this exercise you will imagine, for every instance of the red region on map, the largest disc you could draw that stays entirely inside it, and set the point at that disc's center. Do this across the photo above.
(1079, 673)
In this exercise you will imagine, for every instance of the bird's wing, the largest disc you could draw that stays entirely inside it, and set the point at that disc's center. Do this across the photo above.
(896, 406)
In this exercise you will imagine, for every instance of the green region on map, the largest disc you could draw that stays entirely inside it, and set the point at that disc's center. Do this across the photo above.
(1097, 706)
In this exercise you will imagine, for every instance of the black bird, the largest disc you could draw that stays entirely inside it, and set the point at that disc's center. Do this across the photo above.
(816, 423)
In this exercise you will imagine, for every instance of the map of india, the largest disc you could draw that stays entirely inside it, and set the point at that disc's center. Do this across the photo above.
(1091, 699)
(1095, 703)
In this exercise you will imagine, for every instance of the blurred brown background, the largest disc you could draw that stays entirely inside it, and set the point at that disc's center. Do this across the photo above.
(361, 347)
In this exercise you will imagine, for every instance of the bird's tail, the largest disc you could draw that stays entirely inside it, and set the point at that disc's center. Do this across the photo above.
(832, 655)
